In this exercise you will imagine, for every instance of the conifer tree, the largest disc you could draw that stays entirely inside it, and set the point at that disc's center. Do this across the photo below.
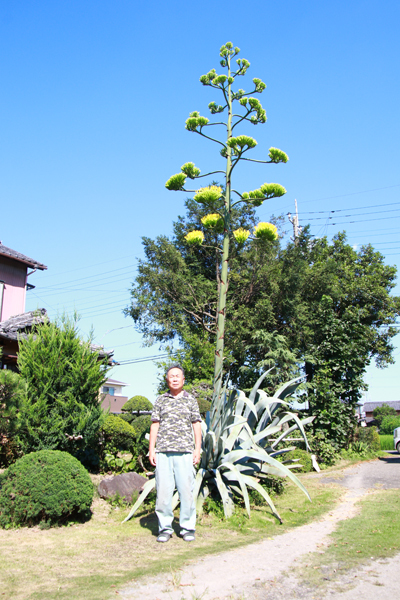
(61, 409)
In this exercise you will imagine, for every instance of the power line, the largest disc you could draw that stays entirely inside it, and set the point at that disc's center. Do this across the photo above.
(344, 216)
(317, 212)
(350, 222)
(92, 276)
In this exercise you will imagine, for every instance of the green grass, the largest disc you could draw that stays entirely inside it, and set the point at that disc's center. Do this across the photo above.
(373, 534)
(386, 442)
(93, 560)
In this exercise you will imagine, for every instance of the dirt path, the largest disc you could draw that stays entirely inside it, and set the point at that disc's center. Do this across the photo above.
(258, 571)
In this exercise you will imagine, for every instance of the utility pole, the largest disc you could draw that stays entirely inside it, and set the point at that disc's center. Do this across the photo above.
(295, 222)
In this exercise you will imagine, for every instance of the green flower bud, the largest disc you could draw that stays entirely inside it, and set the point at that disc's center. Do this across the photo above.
(176, 182)
(229, 45)
(260, 85)
(195, 120)
(241, 141)
(241, 235)
(266, 231)
(272, 190)
(255, 103)
(208, 195)
(205, 79)
(278, 156)
(223, 62)
(190, 170)
(243, 101)
(214, 108)
(220, 79)
(195, 238)
(245, 195)
(230, 80)
(223, 153)
(213, 221)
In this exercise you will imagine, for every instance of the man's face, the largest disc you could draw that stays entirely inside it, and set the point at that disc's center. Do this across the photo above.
(175, 380)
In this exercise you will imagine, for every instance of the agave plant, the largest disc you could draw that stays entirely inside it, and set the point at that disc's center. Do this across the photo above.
(240, 444)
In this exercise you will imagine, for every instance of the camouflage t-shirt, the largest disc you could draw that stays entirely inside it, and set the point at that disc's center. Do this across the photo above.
(176, 416)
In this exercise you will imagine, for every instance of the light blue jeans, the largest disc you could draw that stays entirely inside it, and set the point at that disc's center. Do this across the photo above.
(175, 469)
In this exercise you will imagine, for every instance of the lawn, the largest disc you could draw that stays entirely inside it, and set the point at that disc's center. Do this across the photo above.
(92, 560)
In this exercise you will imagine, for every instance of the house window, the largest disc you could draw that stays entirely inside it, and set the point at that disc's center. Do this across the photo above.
(108, 390)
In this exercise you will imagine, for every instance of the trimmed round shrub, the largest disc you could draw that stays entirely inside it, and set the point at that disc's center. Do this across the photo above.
(305, 460)
(141, 425)
(47, 487)
(204, 406)
(370, 437)
(128, 417)
(137, 403)
(118, 433)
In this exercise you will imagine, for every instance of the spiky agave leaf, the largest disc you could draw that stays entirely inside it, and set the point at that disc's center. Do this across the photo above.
(148, 487)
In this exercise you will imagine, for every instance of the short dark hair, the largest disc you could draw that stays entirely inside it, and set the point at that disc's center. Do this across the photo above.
(175, 366)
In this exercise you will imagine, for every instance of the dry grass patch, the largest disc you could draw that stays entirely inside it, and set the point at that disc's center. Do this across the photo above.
(92, 560)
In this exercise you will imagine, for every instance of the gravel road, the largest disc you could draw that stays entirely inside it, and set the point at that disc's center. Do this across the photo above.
(259, 571)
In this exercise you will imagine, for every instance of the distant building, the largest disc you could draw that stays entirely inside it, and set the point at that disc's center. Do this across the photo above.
(369, 408)
(112, 397)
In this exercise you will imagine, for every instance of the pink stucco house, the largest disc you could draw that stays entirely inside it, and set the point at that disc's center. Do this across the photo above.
(14, 281)
(14, 321)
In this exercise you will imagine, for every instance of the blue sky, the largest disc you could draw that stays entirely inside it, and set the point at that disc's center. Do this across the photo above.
(93, 102)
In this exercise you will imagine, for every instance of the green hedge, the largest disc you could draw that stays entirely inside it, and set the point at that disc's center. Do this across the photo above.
(47, 487)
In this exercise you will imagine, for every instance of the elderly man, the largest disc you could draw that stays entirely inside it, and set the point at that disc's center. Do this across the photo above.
(175, 421)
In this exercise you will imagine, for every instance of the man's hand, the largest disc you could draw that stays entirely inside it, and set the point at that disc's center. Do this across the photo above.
(152, 457)
(197, 442)
(196, 456)
(152, 442)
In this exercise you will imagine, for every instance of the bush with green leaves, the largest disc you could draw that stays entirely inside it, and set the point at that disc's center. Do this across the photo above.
(368, 436)
(380, 412)
(12, 389)
(137, 403)
(325, 452)
(61, 409)
(300, 459)
(389, 424)
(202, 390)
(117, 435)
(47, 487)
(141, 425)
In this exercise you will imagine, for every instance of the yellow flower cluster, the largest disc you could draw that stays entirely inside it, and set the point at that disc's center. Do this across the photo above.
(208, 195)
(213, 221)
(266, 231)
(241, 235)
(195, 238)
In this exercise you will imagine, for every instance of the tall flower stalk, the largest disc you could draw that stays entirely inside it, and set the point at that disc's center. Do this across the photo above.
(240, 435)
(233, 148)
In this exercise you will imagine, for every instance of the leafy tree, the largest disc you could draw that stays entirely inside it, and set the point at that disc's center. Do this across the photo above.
(61, 409)
(389, 423)
(380, 412)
